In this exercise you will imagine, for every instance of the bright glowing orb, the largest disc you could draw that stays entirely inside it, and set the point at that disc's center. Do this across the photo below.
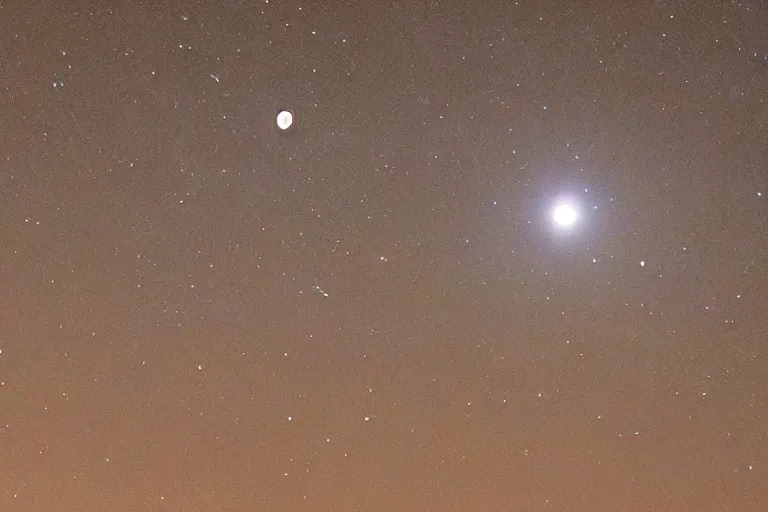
(284, 119)
(565, 215)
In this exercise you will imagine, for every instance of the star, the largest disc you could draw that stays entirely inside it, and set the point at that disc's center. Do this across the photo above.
(564, 215)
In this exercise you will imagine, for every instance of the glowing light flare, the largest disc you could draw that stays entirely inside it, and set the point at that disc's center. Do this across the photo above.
(565, 215)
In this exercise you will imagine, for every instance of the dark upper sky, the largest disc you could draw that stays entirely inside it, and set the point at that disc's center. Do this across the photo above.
(374, 310)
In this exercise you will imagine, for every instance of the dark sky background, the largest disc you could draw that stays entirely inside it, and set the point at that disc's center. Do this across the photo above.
(373, 310)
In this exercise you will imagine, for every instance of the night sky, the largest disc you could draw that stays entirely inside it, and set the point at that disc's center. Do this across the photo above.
(375, 309)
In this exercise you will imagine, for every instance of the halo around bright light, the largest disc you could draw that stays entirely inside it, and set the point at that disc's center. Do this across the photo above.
(564, 215)
(284, 119)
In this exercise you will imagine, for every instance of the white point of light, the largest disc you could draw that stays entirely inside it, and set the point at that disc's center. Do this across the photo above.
(284, 119)
(564, 215)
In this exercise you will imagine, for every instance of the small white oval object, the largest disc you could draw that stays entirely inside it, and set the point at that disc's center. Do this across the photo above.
(284, 119)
